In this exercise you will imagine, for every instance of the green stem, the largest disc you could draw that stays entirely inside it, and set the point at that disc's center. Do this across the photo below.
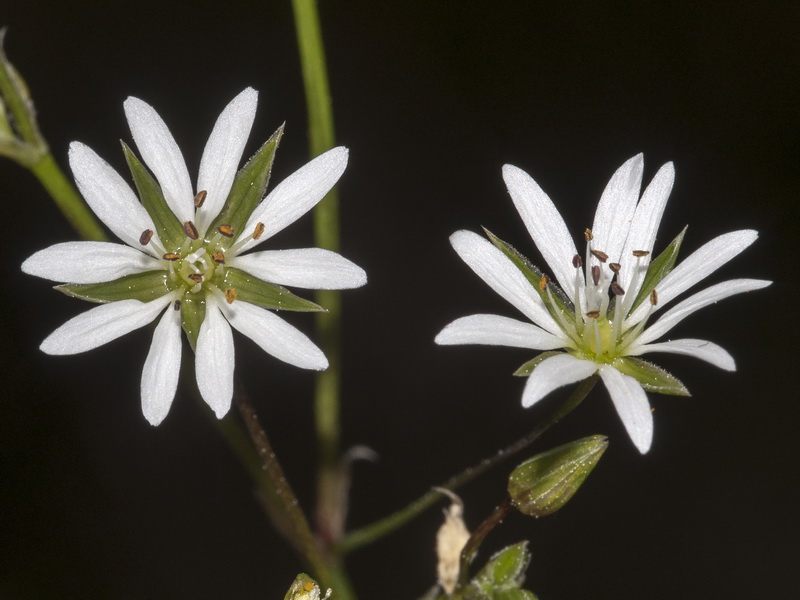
(476, 539)
(326, 234)
(67, 199)
(369, 533)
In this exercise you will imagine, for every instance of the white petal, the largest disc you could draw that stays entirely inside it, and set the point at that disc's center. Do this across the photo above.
(215, 359)
(699, 265)
(162, 367)
(545, 225)
(615, 211)
(162, 156)
(312, 268)
(102, 324)
(109, 197)
(494, 330)
(491, 265)
(702, 349)
(644, 228)
(632, 406)
(697, 301)
(553, 373)
(275, 336)
(223, 153)
(297, 194)
(88, 262)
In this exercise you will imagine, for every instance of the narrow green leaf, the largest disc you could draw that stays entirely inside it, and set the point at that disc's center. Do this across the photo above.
(248, 189)
(139, 286)
(168, 227)
(545, 483)
(527, 368)
(659, 268)
(652, 378)
(193, 311)
(267, 295)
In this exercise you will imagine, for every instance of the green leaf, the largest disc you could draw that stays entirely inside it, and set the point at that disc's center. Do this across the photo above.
(261, 293)
(168, 227)
(527, 368)
(193, 311)
(248, 189)
(139, 286)
(502, 576)
(543, 484)
(659, 268)
(652, 378)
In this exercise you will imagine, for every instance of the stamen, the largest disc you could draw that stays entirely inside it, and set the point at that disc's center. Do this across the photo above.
(230, 295)
(587, 233)
(200, 198)
(596, 275)
(615, 267)
(226, 230)
(566, 326)
(640, 253)
(600, 255)
(616, 289)
(191, 230)
(654, 297)
(259, 230)
(146, 236)
(218, 257)
(171, 256)
(593, 314)
(543, 281)
(577, 262)
(196, 277)
(176, 305)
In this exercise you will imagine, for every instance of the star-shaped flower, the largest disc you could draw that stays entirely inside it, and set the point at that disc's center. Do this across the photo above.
(184, 254)
(595, 320)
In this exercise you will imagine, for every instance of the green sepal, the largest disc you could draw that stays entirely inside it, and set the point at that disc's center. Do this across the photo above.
(261, 293)
(560, 302)
(304, 588)
(193, 311)
(248, 190)
(139, 286)
(651, 377)
(502, 576)
(545, 483)
(659, 268)
(526, 369)
(169, 229)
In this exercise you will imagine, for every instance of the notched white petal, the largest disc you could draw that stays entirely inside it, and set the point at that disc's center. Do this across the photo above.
(88, 262)
(632, 406)
(215, 359)
(161, 368)
(555, 372)
(102, 324)
(162, 156)
(702, 349)
(275, 336)
(494, 330)
(311, 268)
(615, 211)
(297, 194)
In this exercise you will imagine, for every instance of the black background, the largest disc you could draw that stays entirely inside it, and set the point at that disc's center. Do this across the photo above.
(431, 98)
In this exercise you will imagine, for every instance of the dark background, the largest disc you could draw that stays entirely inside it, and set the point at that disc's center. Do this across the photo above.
(431, 98)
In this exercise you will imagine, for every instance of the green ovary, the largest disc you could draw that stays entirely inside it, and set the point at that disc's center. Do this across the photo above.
(598, 342)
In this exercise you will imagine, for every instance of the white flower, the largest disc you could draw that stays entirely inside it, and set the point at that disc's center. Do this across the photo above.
(597, 316)
(184, 258)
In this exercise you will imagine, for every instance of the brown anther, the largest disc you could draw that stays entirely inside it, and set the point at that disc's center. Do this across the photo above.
(654, 297)
(171, 256)
(600, 255)
(614, 267)
(200, 198)
(196, 277)
(146, 236)
(593, 314)
(596, 275)
(543, 281)
(259, 230)
(190, 230)
(218, 257)
(577, 262)
(226, 230)
(176, 305)
(640, 253)
(587, 233)
(616, 289)
(230, 295)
